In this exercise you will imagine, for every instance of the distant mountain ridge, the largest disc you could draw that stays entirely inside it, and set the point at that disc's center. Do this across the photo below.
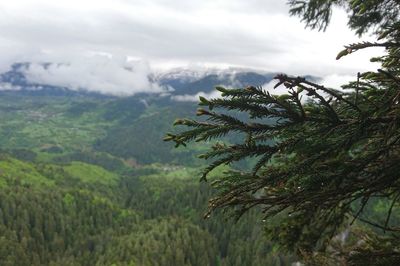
(16, 81)
(192, 82)
(178, 81)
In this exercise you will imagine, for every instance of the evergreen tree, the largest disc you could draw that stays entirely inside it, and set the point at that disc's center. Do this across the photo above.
(323, 155)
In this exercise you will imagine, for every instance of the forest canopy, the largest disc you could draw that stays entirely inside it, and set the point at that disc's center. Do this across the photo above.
(324, 157)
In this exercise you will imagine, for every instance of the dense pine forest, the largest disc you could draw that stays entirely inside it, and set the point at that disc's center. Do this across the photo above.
(86, 180)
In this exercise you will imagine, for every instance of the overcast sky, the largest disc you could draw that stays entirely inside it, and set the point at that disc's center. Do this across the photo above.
(95, 39)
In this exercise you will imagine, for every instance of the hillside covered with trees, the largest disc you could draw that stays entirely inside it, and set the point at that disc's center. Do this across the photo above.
(81, 185)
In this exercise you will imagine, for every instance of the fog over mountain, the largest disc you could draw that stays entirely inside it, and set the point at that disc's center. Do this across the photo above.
(180, 84)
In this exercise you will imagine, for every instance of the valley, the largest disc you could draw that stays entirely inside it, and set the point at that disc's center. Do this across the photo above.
(87, 180)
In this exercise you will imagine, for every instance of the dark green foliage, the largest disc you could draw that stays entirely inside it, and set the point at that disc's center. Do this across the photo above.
(363, 14)
(163, 242)
(41, 226)
(138, 220)
(23, 154)
(157, 197)
(101, 159)
(128, 108)
(333, 150)
(141, 138)
(77, 109)
(52, 149)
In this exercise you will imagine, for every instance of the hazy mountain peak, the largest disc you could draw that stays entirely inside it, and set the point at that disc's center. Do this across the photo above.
(53, 78)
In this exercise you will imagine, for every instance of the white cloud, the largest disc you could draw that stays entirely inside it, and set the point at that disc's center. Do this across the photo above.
(336, 81)
(195, 98)
(100, 73)
(5, 86)
(275, 91)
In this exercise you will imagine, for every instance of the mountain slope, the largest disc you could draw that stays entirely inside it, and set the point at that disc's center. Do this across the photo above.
(85, 179)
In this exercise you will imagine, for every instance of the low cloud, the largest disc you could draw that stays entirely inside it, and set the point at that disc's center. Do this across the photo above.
(98, 73)
(336, 81)
(276, 91)
(5, 86)
(331, 81)
(195, 97)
